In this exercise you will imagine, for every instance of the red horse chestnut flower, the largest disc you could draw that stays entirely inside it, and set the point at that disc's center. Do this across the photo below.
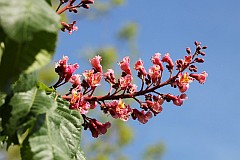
(201, 78)
(95, 62)
(125, 65)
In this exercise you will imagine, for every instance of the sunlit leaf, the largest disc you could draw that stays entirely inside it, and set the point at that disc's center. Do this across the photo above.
(56, 135)
(20, 20)
(31, 29)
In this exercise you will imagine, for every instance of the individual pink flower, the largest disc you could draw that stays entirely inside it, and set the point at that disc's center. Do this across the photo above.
(109, 76)
(60, 66)
(77, 102)
(95, 62)
(97, 128)
(141, 116)
(180, 99)
(155, 107)
(70, 27)
(62, 62)
(125, 81)
(69, 71)
(123, 111)
(187, 60)
(159, 99)
(65, 70)
(201, 78)
(118, 109)
(125, 65)
(166, 58)
(177, 100)
(133, 89)
(88, 73)
(140, 68)
(154, 73)
(75, 80)
(93, 79)
(156, 59)
(183, 82)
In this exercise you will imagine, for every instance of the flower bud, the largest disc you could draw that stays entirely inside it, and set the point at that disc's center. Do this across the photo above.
(86, 6)
(202, 53)
(87, 1)
(204, 47)
(193, 68)
(199, 60)
(196, 43)
(188, 50)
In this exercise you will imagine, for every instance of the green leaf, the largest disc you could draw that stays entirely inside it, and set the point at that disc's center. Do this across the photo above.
(25, 83)
(22, 19)
(18, 58)
(2, 39)
(49, 2)
(2, 98)
(42, 86)
(31, 31)
(44, 128)
(56, 135)
(26, 105)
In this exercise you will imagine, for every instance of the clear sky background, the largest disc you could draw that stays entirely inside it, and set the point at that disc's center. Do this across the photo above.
(207, 126)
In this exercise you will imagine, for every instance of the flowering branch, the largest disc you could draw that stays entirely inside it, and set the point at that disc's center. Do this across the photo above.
(72, 8)
(81, 95)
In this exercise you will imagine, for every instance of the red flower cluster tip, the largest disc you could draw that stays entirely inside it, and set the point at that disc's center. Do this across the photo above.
(82, 98)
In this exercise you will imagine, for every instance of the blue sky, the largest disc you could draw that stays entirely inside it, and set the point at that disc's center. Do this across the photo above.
(207, 126)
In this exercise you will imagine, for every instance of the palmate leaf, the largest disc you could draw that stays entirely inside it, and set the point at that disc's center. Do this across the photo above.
(25, 107)
(56, 135)
(20, 20)
(31, 29)
(43, 125)
(54, 131)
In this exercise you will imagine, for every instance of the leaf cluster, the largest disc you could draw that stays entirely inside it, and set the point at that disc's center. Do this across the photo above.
(33, 116)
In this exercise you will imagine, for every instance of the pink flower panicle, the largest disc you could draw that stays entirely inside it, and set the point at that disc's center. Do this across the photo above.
(149, 98)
